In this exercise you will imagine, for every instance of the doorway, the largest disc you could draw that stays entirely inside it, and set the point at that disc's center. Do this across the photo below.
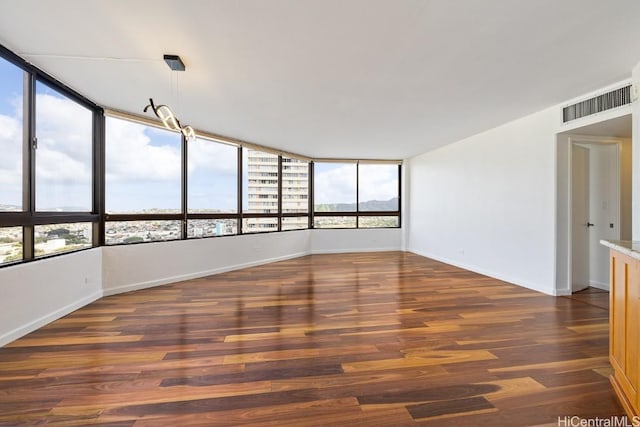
(595, 209)
(575, 259)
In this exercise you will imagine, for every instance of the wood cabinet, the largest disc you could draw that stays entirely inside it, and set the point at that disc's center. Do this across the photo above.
(624, 325)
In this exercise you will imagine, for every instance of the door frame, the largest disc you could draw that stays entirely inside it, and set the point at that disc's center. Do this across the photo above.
(587, 140)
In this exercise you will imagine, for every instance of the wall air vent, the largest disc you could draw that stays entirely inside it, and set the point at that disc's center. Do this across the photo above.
(607, 101)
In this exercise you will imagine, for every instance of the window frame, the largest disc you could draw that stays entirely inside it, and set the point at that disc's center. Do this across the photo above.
(29, 218)
(358, 213)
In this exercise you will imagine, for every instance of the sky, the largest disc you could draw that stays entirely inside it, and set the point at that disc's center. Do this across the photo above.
(142, 168)
(64, 154)
(142, 162)
(336, 182)
(10, 134)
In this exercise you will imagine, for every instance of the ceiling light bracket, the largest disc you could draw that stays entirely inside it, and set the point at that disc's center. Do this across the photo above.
(174, 62)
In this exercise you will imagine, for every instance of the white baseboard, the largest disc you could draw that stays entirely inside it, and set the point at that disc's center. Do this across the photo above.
(46, 319)
(533, 286)
(599, 285)
(354, 250)
(196, 275)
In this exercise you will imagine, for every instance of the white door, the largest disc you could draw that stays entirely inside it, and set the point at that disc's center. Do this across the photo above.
(579, 218)
(604, 209)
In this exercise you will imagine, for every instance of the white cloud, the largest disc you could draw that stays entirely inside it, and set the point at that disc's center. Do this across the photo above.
(335, 183)
(64, 131)
(378, 182)
(11, 149)
(64, 161)
(59, 167)
(132, 156)
(63, 157)
(134, 153)
(212, 156)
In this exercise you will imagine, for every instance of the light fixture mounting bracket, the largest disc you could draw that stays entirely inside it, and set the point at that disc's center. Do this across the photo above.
(174, 62)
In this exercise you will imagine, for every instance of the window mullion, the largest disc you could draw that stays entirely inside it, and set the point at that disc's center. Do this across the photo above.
(240, 228)
(99, 177)
(358, 194)
(279, 193)
(184, 178)
(29, 164)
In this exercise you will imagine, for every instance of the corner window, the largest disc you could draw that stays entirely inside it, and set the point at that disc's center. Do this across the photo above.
(356, 195)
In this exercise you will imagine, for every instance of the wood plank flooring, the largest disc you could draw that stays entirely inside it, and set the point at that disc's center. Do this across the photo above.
(375, 339)
(593, 296)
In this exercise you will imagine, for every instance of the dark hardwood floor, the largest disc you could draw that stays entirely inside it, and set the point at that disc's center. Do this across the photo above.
(375, 339)
(593, 296)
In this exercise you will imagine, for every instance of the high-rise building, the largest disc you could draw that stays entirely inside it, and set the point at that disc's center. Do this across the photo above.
(295, 192)
(262, 191)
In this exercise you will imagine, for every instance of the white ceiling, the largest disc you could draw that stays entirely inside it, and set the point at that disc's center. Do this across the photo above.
(331, 78)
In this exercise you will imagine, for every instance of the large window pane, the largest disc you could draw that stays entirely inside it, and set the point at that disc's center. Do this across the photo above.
(259, 182)
(295, 186)
(334, 222)
(211, 227)
(11, 95)
(378, 187)
(64, 161)
(259, 225)
(10, 244)
(213, 177)
(143, 168)
(295, 223)
(56, 238)
(334, 187)
(141, 231)
(378, 221)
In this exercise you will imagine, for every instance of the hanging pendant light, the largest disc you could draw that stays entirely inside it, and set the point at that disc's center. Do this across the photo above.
(169, 120)
(163, 112)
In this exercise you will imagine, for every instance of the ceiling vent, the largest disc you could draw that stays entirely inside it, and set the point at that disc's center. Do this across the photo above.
(607, 101)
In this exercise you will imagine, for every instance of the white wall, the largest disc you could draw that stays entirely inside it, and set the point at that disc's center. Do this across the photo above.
(356, 240)
(626, 185)
(486, 203)
(36, 293)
